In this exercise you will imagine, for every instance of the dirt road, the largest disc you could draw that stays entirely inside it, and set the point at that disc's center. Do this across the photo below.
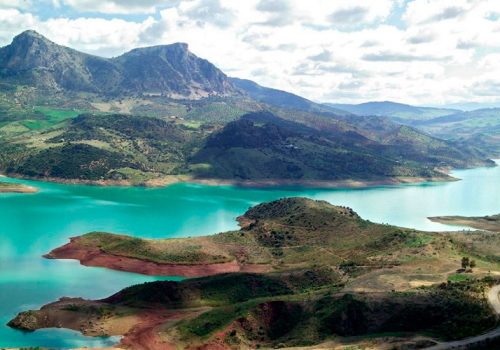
(494, 300)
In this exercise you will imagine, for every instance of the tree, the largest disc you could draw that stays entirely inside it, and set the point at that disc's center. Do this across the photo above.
(465, 262)
(472, 264)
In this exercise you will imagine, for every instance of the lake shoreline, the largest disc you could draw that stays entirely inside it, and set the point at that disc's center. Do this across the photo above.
(266, 183)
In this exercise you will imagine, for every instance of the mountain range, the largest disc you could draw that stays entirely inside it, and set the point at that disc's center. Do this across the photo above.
(162, 111)
(397, 111)
(477, 128)
(169, 70)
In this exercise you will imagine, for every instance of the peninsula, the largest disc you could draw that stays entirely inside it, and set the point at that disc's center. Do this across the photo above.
(487, 223)
(299, 272)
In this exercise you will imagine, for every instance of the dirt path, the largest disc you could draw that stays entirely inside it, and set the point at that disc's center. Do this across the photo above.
(494, 300)
(145, 334)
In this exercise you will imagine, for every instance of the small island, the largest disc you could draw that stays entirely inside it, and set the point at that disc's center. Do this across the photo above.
(8, 187)
(486, 223)
(299, 272)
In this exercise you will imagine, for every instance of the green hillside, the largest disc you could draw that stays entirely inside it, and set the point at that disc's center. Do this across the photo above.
(479, 128)
(257, 146)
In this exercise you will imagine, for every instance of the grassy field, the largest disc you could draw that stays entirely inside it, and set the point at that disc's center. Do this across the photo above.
(51, 117)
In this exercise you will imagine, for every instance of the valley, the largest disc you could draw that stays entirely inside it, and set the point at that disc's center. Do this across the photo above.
(229, 215)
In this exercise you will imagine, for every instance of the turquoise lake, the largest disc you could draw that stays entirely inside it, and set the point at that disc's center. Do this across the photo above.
(33, 224)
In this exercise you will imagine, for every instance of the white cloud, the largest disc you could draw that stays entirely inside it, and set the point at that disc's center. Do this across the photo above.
(16, 4)
(342, 50)
(12, 22)
(428, 11)
(115, 6)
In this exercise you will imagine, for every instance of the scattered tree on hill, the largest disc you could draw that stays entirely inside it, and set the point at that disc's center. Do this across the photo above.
(468, 263)
(465, 262)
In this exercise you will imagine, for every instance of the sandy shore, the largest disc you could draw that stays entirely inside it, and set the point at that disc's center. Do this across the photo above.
(95, 257)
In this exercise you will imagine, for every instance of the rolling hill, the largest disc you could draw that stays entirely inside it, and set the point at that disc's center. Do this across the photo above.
(257, 147)
(263, 146)
(471, 129)
(479, 128)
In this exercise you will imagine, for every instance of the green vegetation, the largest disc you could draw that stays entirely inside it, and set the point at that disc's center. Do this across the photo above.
(111, 147)
(51, 116)
(449, 311)
(176, 251)
(328, 274)
(140, 149)
(478, 129)
(459, 277)
(150, 124)
(286, 234)
(271, 312)
(282, 235)
(262, 146)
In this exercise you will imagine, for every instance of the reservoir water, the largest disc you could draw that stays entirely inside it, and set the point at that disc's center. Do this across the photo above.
(33, 224)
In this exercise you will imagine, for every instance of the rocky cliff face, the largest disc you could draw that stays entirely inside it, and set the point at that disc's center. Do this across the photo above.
(169, 70)
(172, 69)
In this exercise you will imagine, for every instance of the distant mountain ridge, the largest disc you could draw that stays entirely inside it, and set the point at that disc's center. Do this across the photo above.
(168, 70)
(282, 98)
(394, 110)
(478, 128)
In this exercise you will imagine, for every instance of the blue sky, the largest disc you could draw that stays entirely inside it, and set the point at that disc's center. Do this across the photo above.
(416, 51)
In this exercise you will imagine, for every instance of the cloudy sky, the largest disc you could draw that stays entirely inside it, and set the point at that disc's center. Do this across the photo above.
(413, 51)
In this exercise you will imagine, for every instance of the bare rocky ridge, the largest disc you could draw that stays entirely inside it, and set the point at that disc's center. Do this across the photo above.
(168, 70)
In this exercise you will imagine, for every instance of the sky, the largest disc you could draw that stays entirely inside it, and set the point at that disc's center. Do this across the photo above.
(426, 52)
